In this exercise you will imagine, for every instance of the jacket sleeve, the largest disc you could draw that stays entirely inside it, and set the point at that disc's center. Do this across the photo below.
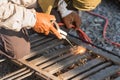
(62, 8)
(26, 3)
(14, 16)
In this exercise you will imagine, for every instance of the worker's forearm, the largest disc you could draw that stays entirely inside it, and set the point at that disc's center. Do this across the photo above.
(14, 17)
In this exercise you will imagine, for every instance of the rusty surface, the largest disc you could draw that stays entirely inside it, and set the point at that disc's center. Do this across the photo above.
(51, 58)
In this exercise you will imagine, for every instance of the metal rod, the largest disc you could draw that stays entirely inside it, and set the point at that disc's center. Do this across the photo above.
(69, 42)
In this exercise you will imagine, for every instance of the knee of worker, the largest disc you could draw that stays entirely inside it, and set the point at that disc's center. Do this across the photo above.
(21, 50)
(16, 44)
(18, 51)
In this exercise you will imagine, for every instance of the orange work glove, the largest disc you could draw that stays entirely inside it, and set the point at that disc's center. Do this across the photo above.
(72, 20)
(44, 24)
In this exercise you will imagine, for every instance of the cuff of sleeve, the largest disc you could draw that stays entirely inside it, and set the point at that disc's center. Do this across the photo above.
(62, 8)
(65, 13)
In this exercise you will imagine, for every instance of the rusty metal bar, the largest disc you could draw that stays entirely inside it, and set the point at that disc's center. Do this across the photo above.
(36, 37)
(18, 75)
(42, 72)
(44, 58)
(82, 68)
(14, 73)
(48, 45)
(102, 74)
(44, 47)
(25, 76)
(64, 63)
(38, 42)
(51, 62)
(92, 71)
(21, 73)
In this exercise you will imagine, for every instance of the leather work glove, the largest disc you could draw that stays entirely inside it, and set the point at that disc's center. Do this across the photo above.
(72, 20)
(44, 24)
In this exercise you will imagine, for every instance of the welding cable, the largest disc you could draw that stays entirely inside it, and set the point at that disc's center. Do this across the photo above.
(105, 28)
(80, 33)
(84, 36)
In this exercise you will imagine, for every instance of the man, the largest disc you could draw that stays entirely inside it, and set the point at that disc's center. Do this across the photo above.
(18, 15)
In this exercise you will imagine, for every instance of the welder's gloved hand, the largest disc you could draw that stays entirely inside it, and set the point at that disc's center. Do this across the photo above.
(72, 20)
(44, 24)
